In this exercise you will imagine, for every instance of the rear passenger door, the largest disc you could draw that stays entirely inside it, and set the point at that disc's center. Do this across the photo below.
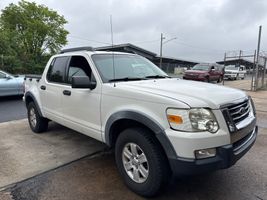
(81, 107)
(51, 92)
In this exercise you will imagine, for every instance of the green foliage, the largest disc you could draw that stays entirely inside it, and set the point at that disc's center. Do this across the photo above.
(29, 34)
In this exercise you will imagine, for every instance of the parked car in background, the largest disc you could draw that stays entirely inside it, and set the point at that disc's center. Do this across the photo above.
(205, 72)
(235, 72)
(11, 85)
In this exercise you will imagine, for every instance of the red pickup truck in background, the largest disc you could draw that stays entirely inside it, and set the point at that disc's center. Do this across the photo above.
(205, 72)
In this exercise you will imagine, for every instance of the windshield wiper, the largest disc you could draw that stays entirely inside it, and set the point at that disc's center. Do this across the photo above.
(127, 79)
(157, 76)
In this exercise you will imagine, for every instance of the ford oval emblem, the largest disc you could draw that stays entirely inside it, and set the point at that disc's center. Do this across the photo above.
(242, 111)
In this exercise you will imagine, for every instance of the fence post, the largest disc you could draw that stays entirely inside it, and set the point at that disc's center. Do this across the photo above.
(224, 60)
(263, 72)
(253, 73)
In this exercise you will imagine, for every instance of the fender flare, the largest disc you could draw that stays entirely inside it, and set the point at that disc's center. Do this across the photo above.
(146, 121)
(29, 94)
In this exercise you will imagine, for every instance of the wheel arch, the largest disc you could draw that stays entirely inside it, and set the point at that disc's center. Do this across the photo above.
(29, 97)
(121, 120)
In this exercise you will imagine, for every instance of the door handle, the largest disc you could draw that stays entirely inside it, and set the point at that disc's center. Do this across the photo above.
(43, 87)
(67, 92)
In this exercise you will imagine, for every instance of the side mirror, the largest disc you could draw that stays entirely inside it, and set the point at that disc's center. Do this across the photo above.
(82, 82)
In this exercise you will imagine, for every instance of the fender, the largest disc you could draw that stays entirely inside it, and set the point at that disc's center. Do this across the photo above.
(146, 121)
(29, 94)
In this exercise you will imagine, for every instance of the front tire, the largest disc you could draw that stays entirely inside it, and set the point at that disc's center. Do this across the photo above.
(141, 161)
(220, 79)
(37, 123)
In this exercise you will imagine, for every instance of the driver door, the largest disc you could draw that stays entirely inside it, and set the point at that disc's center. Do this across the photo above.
(81, 107)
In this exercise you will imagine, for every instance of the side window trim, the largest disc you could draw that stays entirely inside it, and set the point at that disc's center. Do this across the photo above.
(64, 75)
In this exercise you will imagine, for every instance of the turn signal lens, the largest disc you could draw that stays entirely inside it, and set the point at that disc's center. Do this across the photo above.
(175, 119)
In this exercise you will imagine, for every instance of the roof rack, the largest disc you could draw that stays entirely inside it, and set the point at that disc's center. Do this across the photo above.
(77, 49)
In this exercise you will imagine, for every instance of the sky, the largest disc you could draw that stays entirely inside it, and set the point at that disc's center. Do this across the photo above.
(203, 29)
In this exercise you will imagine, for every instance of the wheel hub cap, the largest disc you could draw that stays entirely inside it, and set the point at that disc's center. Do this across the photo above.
(32, 117)
(135, 162)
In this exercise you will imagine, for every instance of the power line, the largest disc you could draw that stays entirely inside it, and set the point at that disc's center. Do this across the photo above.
(148, 41)
(197, 47)
(85, 39)
(135, 42)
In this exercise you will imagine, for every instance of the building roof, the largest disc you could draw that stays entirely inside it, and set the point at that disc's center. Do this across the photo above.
(130, 48)
(123, 46)
(176, 59)
(242, 61)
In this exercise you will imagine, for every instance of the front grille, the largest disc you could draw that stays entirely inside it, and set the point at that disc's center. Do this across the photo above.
(235, 113)
(239, 112)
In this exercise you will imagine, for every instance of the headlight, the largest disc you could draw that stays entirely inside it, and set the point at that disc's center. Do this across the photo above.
(193, 120)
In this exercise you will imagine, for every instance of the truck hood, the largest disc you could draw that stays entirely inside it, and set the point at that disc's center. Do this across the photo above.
(231, 70)
(192, 93)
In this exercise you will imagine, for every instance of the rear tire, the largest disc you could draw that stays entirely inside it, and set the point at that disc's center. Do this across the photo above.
(146, 180)
(37, 123)
(207, 79)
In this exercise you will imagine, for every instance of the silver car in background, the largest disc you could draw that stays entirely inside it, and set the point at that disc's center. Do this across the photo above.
(11, 85)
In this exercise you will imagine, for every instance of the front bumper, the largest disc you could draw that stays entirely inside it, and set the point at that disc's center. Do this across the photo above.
(226, 156)
(195, 78)
(230, 76)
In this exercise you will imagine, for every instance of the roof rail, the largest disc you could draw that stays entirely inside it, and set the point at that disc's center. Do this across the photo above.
(77, 49)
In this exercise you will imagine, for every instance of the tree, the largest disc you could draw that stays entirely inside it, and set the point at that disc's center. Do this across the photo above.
(30, 32)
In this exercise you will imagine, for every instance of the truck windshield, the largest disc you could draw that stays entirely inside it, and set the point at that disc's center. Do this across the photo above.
(201, 67)
(231, 68)
(127, 68)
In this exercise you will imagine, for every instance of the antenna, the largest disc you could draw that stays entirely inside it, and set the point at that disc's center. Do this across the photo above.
(111, 31)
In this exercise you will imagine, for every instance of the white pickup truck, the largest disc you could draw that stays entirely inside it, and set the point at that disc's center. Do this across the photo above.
(235, 72)
(159, 126)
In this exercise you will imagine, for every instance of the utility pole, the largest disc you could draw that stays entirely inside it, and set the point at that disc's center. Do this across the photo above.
(161, 43)
(257, 59)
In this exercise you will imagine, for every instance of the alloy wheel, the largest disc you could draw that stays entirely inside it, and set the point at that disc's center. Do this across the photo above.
(135, 162)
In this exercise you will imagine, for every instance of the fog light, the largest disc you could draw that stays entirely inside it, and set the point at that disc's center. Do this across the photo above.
(205, 153)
